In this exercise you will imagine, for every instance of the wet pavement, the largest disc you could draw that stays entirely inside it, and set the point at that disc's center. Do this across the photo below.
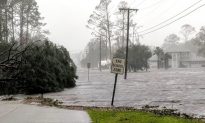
(182, 89)
(15, 112)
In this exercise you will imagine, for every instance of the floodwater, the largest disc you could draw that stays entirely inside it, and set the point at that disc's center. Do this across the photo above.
(182, 89)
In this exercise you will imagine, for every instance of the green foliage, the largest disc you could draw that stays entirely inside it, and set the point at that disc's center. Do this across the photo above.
(44, 67)
(137, 58)
(48, 68)
(170, 40)
(162, 58)
(200, 41)
(160, 53)
(114, 116)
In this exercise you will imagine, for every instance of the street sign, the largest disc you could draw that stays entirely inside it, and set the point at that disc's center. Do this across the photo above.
(118, 66)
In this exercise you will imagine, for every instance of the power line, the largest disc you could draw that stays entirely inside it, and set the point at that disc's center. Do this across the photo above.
(171, 17)
(173, 21)
(133, 2)
(169, 8)
(152, 5)
(141, 3)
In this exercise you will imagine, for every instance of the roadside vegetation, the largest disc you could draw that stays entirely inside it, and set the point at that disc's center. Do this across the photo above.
(129, 116)
(37, 67)
(29, 62)
(147, 114)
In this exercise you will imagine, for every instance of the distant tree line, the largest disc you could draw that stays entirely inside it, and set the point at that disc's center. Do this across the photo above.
(190, 40)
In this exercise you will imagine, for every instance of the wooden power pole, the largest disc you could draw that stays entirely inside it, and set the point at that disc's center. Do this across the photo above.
(127, 43)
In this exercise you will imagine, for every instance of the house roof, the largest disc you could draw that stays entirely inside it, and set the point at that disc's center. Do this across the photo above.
(175, 48)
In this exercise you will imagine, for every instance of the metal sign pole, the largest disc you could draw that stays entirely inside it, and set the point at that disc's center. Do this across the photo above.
(88, 74)
(113, 95)
(88, 66)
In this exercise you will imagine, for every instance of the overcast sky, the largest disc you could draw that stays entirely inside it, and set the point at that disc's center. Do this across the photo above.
(66, 19)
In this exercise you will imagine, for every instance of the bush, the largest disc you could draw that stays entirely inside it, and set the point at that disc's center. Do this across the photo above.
(137, 57)
(44, 67)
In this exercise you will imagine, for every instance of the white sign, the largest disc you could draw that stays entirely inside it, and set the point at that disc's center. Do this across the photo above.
(118, 65)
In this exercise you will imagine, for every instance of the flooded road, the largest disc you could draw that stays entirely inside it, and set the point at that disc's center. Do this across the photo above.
(182, 89)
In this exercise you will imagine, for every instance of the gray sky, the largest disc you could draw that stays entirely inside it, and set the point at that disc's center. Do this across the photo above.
(66, 19)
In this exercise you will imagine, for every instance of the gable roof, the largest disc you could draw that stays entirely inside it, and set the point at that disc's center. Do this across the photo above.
(175, 48)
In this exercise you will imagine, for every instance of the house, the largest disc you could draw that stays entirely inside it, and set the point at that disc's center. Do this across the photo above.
(178, 55)
(181, 57)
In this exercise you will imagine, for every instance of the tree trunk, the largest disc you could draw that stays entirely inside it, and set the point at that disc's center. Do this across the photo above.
(106, 43)
(1, 23)
(27, 26)
(21, 24)
(6, 24)
(123, 30)
(12, 21)
(108, 32)
(158, 62)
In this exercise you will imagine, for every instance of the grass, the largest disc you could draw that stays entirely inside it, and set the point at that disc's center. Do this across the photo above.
(116, 116)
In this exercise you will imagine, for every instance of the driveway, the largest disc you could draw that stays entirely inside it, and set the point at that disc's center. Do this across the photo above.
(15, 112)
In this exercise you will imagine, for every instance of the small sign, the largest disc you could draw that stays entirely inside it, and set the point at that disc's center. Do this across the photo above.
(88, 65)
(118, 66)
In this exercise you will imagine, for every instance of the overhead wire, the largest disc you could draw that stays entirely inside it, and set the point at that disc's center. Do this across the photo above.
(172, 21)
(169, 8)
(140, 3)
(171, 17)
(152, 5)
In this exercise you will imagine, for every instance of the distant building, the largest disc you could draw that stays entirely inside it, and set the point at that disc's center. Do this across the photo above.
(181, 58)
(153, 61)
(105, 64)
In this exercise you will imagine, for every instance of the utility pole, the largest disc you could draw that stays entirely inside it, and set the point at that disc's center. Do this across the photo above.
(127, 43)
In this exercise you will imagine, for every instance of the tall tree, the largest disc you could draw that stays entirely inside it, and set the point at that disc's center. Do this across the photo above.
(19, 20)
(121, 24)
(170, 40)
(138, 58)
(160, 53)
(186, 31)
(3, 21)
(166, 58)
(200, 41)
(100, 22)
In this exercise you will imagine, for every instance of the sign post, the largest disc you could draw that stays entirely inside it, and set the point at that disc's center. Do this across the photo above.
(88, 66)
(117, 67)
(113, 94)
